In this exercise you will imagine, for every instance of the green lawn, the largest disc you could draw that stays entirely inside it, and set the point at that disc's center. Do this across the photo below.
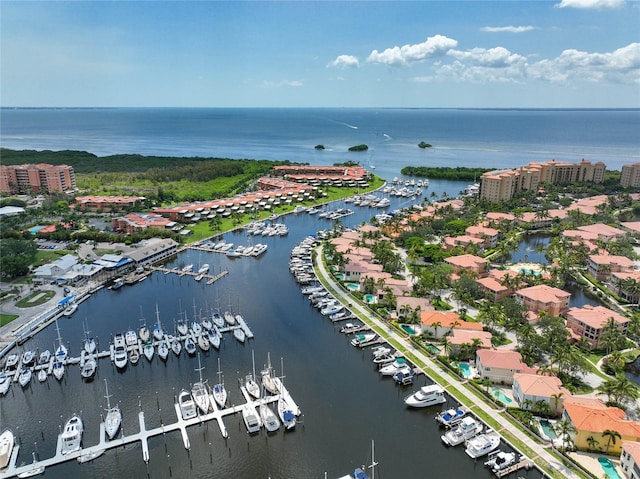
(7, 318)
(44, 256)
(35, 299)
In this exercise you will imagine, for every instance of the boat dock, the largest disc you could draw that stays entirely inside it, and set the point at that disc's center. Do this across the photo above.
(210, 278)
(524, 463)
(92, 452)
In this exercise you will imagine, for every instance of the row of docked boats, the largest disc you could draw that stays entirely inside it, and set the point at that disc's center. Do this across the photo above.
(233, 251)
(335, 214)
(264, 228)
(372, 201)
(424, 183)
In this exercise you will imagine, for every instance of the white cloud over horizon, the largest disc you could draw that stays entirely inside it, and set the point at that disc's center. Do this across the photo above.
(509, 29)
(344, 61)
(408, 54)
(282, 83)
(590, 4)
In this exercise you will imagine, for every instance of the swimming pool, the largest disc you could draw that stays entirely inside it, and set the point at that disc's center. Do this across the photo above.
(35, 229)
(547, 429)
(352, 286)
(501, 396)
(432, 348)
(608, 468)
(408, 329)
(369, 298)
(339, 276)
(465, 369)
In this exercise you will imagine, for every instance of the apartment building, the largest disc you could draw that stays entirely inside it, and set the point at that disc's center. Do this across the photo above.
(40, 178)
(630, 176)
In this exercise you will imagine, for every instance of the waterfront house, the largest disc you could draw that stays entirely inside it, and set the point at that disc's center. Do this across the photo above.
(489, 236)
(529, 388)
(632, 227)
(461, 338)
(153, 250)
(600, 266)
(469, 263)
(462, 241)
(543, 298)
(493, 288)
(630, 459)
(623, 285)
(592, 418)
(132, 222)
(499, 365)
(603, 232)
(442, 323)
(590, 322)
(56, 269)
(407, 304)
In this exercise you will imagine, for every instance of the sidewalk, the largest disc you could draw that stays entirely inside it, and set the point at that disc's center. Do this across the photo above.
(453, 386)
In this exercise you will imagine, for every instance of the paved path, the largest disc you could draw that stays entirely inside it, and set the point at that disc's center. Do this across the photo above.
(453, 386)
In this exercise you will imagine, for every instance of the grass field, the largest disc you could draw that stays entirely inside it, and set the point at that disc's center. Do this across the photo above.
(7, 318)
(35, 299)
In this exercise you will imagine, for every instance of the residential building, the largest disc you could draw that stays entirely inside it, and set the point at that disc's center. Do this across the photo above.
(132, 222)
(93, 203)
(528, 389)
(493, 289)
(630, 459)
(441, 323)
(460, 338)
(543, 298)
(630, 177)
(469, 263)
(407, 304)
(153, 250)
(632, 227)
(499, 365)
(625, 285)
(316, 174)
(490, 236)
(590, 322)
(603, 232)
(57, 269)
(40, 178)
(463, 241)
(601, 266)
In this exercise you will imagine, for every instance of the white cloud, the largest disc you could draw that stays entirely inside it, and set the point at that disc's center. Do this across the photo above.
(595, 4)
(509, 29)
(620, 66)
(345, 61)
(408, 54)
(497, 57)
(282, 83)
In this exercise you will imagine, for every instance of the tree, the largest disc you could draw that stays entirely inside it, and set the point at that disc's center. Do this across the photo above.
(564, 429)
(542, 407)
(446, 345)
(592, 442)
(556, 399)
(612, 437)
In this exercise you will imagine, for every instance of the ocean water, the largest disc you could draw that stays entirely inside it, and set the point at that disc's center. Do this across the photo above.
(489, 138)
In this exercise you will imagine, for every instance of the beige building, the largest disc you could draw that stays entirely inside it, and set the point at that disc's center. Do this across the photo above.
(590, 323)
(630, 176)
(41, 178)
(499, 365)
(548, 299)
(502, 185)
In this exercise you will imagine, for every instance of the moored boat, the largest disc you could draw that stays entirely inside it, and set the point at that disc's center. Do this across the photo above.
(163, 350)
(482, 444)
(45, 357)
(426, 396)
(362, 339)
(25, 376)
(251, 419)
(219, 391)
(187, 405)
(269, 418)
(113, 419)
(6, 447)
(392, 368)
(88, 368)
(120, 356)
(466, 429)
(148, 350)
(72, 435)
(287, 416)
(134, 355)
(12, 361)
(190, 346)
(239, 334)
(42, 375)
(58, 370)
(500, 460)
(28, 358)
(199, 391)
(450, 416)
(5, 383)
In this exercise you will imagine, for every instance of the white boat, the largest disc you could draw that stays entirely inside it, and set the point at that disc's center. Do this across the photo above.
(187, 405)
(199, 391)
(163, 350)
(183, 329)
(229, 318)
(359, 472)
(143, 332)
(25, 376)
(251, 419)
(204, 269)
(206, 323)
(332, 309)
(203, 341)
(259, 249)
(176, 346)
(45, 357)
(362, 339)
(196, 328)
(450, 416)
(190, 346)
(12, 361)
(61, 351)
(58, 370)
(217, 319)
(380, 351)
(134, 355)
(219, 391)
(89, 344)
(148, 350)
(269, 418)
(158, 332)
(89, 367)
(131, 338)
(268, 381)
(482, 444)
(250, 383)
(287, 416)
(118, 283)
(404, 376)
(466, 429)
(392, 368)
(113, 419)
(214, 337)
(500, 460)
(42, 375)
(5, 383)
(72, 435)
(238, 333)
(6, 447)
(28, 358)
(426, 396)
(384, 359)
(187, 268)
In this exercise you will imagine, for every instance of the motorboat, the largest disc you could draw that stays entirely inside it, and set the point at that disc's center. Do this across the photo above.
(190, 346)
(42, 375)
(12, 361)
(113, 419)
(134, 355)
(229, 318)
(148, 350)
(120, 356)
(251, 419)
(187, 405)
(7, 440)
(392, 368)
(269, 418)
(131, 338)
(426, 396)
(89, 367)
(203, 341)
(380, 351)
(44, 358)
(69, 310)
(482, 444)
(362, 339)
(466, 429)
(58, 370)
(333, 309)
(25, 376)
(384, 359)
(219, 391)
(118, 283)
(204, 269)
(163, 350)
(199, 391)
(28, 358)
(239, 334)
(450, 417)
(500, 460)
(5, 383)
(187, 268)
(405, 376)
(287, 416)
(72, 435)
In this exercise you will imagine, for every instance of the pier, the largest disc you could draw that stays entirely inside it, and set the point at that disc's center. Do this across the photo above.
(210, 278)
(524, 463)
(90, 453)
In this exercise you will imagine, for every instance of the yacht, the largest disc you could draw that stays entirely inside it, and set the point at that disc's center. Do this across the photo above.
(58, 370)
(239, 334)
(113, 419)
(186, 269)
(204, 269)
(450, 417)
(199, 391)
(392, 368)
(219, 391)
(6, 448)
(206, 323)
(482, 444)
(144, 331)
(119, 351)
(12, 361)
(500, 460)
(72, 435)
(362, 339)
(148, 350)
(251, 419)
(163, 350)
(186, 404)
(287, 416)
(28, 358)
(89, 367)
(45, 357)
(466, 429)
(214, 337)
(426, 396)
(269, 418)
(5, 383)
(25, 376)
(190, 346)
(118, 283)
(131, 338)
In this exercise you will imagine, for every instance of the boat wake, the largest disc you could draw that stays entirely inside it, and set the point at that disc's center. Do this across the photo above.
(354, 127)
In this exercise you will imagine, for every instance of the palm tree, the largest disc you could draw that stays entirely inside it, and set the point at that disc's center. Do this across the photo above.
(612, 437)
(446, 345)
(542, 407)
(565, 429)
(556, 399)
(435, 326)
(527, 403)
(592, 442)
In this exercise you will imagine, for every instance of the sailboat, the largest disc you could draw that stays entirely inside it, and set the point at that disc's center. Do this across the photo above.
(114, 417)
(89, 367)
(158, 333)
(199, 391)
(268, 381)
(144, 331)
(269, 418)
(89, 342)
(250, 383)
(219, 392)
(360, 473)
(287, 416)
(61, 351)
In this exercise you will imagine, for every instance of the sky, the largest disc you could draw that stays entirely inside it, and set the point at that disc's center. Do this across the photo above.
(415, 54)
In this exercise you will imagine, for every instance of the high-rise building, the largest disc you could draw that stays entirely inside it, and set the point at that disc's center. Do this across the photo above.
(630, 176)
(40, 178)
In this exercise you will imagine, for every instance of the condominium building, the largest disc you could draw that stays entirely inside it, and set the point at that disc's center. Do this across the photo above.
(41, 178)
(501, 185)
(630, 176)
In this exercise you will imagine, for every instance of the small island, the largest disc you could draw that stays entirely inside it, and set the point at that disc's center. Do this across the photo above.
(424, 145)
(319, 147)
(359, 148)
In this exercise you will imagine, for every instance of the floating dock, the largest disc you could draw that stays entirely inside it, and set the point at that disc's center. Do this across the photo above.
(210, 278)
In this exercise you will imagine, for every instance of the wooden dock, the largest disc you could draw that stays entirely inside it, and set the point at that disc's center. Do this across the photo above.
(92, 452)
(524, 463)
(210, 278)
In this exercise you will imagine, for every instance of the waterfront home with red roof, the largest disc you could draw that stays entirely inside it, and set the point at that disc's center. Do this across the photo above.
(604, 232)
(600, 266)
(588, 206)
(493, 289)
(630, 459)
(358, 266)
(441, 323)
(590, 323)
(593, 419)
(499, 365)
(621, 284)
(459, 337)
(548, 299)
(469, 263)
(528, 389)
(499, 217)
(463, 241)
(92, 203)
(632, 227)
(490, 236)
(406, 303)
(578, 235)
(132, 222)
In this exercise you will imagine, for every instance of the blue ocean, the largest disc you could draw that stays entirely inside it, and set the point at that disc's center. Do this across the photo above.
(460, 137)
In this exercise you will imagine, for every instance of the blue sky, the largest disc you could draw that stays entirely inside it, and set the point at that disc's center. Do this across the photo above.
(476, 54)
